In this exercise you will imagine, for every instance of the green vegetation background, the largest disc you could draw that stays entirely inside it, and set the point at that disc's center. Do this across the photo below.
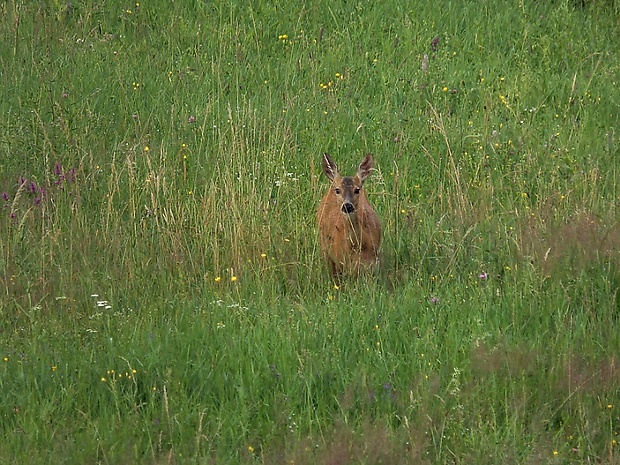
(162, 295)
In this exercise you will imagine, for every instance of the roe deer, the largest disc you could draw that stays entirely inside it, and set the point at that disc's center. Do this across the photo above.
(349, 227)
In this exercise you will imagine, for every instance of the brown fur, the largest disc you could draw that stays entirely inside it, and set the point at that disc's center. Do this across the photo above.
(349, 227)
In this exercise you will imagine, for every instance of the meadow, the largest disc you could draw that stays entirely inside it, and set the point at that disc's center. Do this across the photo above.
(163, 298)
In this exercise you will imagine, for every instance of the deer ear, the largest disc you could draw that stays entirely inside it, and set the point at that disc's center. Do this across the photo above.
(329, 167)
(365, 168)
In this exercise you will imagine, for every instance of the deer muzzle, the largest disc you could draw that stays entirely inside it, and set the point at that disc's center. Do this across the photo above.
(348, 208)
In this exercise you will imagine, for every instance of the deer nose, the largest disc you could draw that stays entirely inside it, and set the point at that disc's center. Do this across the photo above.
(348, 208)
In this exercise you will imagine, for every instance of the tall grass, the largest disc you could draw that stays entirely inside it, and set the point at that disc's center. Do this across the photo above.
(162, 294)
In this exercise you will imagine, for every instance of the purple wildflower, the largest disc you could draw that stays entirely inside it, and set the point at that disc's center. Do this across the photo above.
(32, 188)
(37, 201)
(71, 175)
(435, 43)
(483, 275)
(5, 196)
(191, 119)
(434, 300)
(58, 168)
(274, 371)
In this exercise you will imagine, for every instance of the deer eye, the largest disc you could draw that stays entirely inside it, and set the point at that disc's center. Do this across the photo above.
(357, 190)
(337, 191)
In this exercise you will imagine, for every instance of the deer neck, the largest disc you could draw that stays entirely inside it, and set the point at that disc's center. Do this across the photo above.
(354, 230)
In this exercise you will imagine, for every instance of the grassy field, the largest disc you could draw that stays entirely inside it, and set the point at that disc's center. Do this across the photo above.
(163, 299)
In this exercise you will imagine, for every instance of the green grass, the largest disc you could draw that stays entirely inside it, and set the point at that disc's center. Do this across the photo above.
(162, 294)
